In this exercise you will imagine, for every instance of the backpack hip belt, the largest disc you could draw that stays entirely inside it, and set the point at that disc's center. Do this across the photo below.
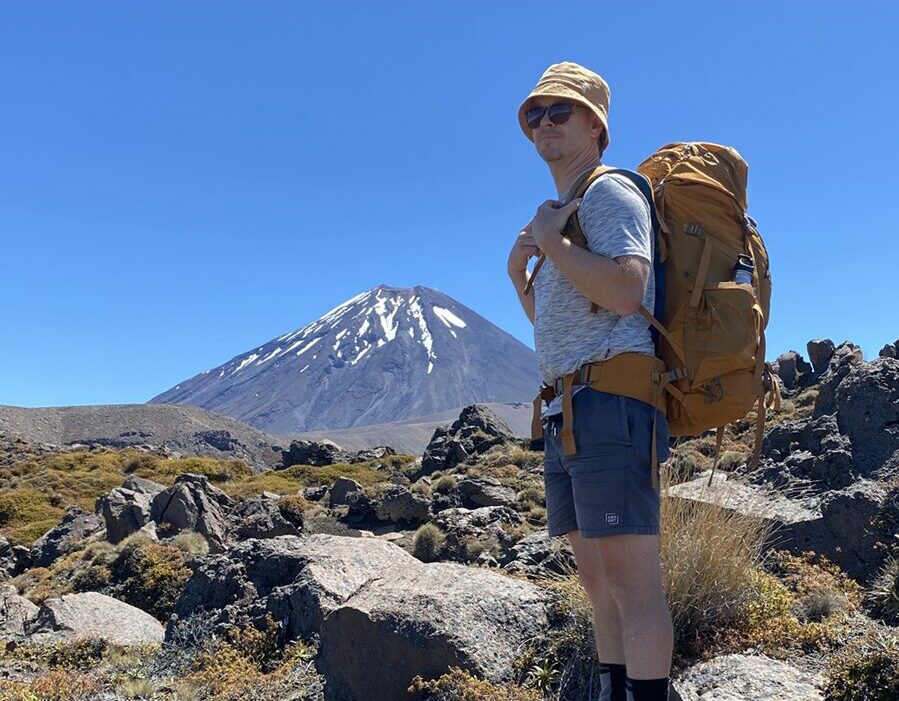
(635, 375)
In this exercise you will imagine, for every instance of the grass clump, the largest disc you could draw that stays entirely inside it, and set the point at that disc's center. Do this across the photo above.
(883, 595)
(444, 484)
(427, 543)
(531, 496)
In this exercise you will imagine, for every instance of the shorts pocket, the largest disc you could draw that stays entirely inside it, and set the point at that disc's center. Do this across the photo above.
(600, 420)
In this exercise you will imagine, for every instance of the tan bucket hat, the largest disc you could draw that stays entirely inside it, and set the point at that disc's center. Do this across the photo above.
(572, 82)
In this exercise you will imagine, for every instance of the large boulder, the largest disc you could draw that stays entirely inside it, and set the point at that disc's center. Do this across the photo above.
(398, 503)
(890, 350)
(298, 579)
(793, 370)
(15, 611)
(738, 677)
(820, 351)
(475, 431)
(92, 614)
(315, 453)
(867, 408)
(126, 509)
(422, 621)
(849, 526)
(812, 453)
(540, 556)
(193, 504)
(76, 525)
(485, 491)
(845, 357)
(488, 527)
(259, 517)
(340, 489)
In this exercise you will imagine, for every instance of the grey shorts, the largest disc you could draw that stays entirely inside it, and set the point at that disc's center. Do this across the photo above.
(606, 488)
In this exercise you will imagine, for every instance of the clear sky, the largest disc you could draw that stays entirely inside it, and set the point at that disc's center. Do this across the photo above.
(183, 181)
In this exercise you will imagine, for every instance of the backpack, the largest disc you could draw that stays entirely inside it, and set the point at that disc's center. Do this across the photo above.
(708, 329)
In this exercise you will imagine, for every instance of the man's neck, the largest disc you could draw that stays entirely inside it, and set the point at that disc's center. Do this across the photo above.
(565, 174)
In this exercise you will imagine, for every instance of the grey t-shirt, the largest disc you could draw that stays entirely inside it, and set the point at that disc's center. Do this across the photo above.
(615, 219)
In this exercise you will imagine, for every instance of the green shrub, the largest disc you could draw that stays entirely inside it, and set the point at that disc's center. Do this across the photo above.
(866, 670)
(427, 543)
(150, 576)
(460, 685)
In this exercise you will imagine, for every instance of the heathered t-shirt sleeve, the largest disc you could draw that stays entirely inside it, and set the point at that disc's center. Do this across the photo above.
(615, 218)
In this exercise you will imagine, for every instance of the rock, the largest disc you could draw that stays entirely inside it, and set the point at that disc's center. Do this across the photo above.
(890, 350)
(846, 533)
(92, 614)
(867, 407)
(485, 491)
(423, 620)
(846, 356)
(377, 453)
(14, 559)
(485, 526)
(76, 525)
(793, 370)
(299, 579)
(339, 490)
(399, 503)
(820, 351)
(192, 503)
(812, 451)
(314, 493)
(315, 453)
(220, 440)
(537, 555)
(259, 517)
(126, 509)
(838, 524)
(475, 431)
(15, 611)
(738, 677)
(142, 485)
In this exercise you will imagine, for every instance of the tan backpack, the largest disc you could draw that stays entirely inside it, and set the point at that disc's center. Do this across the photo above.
(708, 329)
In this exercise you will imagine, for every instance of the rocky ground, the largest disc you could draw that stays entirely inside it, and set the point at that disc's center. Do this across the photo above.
(344, 576)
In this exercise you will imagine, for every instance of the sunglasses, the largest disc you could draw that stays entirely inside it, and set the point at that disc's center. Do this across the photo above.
(558, 114)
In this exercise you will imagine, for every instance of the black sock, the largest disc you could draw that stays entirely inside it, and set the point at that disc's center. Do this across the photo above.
(613, 680)
(647, 689)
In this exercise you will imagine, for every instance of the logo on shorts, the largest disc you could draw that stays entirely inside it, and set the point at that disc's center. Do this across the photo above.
(611, 519)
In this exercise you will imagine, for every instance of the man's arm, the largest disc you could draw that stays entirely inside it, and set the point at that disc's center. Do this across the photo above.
(519, 279)
(617, 284)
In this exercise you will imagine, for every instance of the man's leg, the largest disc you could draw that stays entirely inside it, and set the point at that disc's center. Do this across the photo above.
(632, 569)
(606, 619)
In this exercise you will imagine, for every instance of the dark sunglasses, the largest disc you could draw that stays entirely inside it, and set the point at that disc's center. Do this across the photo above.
(558, 114)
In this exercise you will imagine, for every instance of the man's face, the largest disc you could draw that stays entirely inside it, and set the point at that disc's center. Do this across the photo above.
(559, 141)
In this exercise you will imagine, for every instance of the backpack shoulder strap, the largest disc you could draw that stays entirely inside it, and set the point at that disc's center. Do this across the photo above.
(659, 270)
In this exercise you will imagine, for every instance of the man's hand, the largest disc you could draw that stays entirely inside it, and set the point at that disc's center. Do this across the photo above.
(550, 220)
(523, 249)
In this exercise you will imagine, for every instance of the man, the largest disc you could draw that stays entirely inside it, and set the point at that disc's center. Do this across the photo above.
(602, 497)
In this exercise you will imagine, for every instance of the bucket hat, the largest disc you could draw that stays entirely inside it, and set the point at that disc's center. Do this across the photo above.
(571, 81)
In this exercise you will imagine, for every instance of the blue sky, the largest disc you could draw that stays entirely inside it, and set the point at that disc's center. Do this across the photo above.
(183, 181)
